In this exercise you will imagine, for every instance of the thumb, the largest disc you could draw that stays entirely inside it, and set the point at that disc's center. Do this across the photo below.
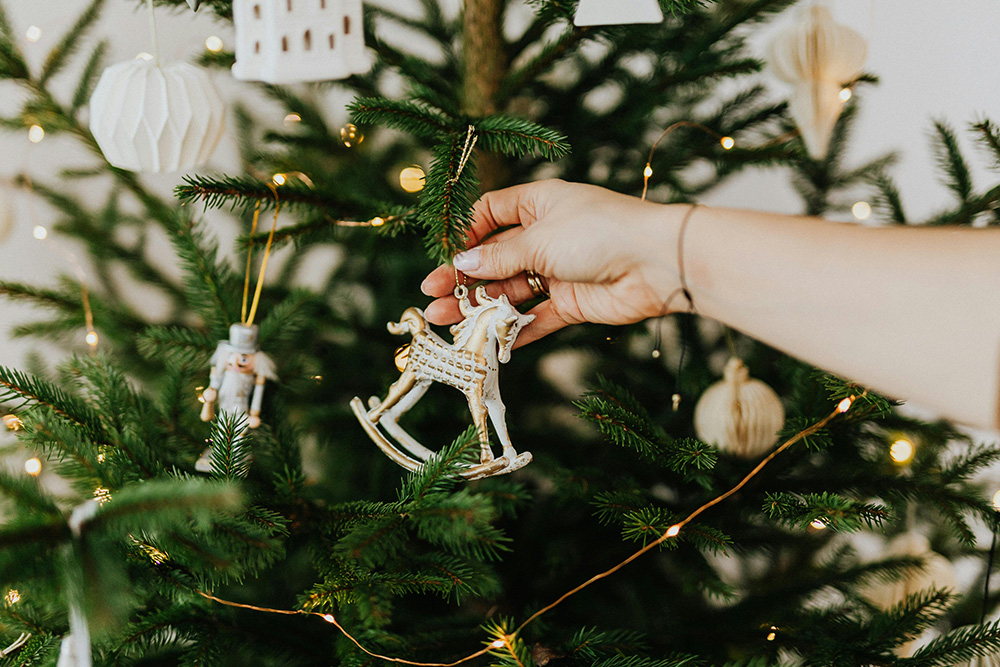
(494, 261)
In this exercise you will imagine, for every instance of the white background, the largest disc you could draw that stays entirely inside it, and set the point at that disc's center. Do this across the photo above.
(934, 62)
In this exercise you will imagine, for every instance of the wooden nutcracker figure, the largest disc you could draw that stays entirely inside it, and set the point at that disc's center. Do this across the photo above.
(239, 372)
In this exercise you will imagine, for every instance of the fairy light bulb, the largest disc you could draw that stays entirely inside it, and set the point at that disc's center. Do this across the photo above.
(996, 501)
(497, 643)
(214, 44)
(351, 136)
(845, 404)
(292, 118)
(91, 338)
(862, 210)
(648, 171)
(12, 596)
(33, 466)
(36, 133)
(674, 530)
(279, 179)
(328, 618)
(727, 143)
(818, 524)
(12, 422)
(102, 495)
(411, 179)
(772, 634)
(33, 34)
(846, 94)
(40, 233)
(901, 451)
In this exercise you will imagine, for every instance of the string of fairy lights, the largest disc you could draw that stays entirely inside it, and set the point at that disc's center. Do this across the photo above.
(411, 179)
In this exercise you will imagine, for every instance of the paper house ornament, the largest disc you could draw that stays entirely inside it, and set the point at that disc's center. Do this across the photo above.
(156, 119)
(617, 12)
(289, 41)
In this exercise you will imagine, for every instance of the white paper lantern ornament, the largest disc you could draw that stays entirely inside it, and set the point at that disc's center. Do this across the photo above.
(617, 12)
(155, 119)
(740, 415)
(817, 56)
(292, 41)
(937, 571)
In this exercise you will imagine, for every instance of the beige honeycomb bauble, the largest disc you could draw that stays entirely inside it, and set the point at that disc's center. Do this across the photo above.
(740, 415)
(155, 119)
(983, 661)
(937, 571)
(818, 56)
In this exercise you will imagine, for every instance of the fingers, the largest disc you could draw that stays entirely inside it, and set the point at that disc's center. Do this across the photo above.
(445, 310)
(503, 208)
(441, 281)
(496, 261)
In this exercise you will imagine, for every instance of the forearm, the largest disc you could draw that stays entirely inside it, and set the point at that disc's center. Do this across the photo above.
(911, 312)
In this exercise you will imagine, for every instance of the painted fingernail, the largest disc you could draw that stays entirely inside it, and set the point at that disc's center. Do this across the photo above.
(424, 286)
(468, 260)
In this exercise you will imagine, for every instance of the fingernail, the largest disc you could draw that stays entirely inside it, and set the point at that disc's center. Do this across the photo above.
(423, 286)
(468, 260)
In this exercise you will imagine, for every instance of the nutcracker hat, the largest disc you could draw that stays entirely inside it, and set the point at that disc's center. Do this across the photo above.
(243, 338)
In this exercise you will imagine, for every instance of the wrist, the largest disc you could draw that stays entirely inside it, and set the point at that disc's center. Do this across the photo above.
(662, 257)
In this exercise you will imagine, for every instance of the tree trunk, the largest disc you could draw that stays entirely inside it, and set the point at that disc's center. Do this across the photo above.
(485, 67)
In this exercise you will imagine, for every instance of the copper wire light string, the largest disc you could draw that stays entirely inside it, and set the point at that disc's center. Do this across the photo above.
(671, 532)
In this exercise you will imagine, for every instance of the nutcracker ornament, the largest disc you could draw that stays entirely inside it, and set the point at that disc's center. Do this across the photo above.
(239, 372)
(483, 341)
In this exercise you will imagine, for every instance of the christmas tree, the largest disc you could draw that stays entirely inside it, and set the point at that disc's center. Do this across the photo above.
(627, 542)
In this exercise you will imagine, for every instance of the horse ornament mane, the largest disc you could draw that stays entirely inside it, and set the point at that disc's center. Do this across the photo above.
(471, 364)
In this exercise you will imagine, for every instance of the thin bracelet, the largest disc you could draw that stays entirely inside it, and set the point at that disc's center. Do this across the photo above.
(683, 290)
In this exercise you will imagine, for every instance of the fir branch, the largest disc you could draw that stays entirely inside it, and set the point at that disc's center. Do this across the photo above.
(518, 137)
(60, 54)
(450, 190)
(949, 158)
(26, 493)
(959, 645)
(415, 119)
(231, 454)
(179, 346)
(836, 512)
(989, 137)
(33, 392)
(89, 77)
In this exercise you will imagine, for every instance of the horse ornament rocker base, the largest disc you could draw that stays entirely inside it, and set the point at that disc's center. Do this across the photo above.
(483, 341)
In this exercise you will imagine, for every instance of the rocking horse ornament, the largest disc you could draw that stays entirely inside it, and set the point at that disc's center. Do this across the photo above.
(483, 341)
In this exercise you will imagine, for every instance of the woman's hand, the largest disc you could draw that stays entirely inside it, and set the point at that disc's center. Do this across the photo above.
(607, 258)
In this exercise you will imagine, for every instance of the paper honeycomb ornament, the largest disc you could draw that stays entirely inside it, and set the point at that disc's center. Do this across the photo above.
(817, 56)
(740, 415)
(156, 119)
(937, 571)
(617, 12)
(992, 660)
(291, 41)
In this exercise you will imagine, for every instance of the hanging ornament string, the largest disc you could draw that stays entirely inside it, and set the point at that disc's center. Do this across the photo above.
(470, 143)
(18, 643)
(671, 533)
(152, 32)
(246, 276)
(989, 571)
(267, 255)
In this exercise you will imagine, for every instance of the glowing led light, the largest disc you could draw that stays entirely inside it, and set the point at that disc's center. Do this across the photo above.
(91, 338)
(996, 501)
(279, 179)
(293, 118)
(102, 495)
(101, 458)
(34, 33)
(656, 354)
(674, 530)
(317, 378)
(33, 467)
(773, 634)
(328, 618)
(727, 142)
(818, 524)
(144, 56)
(376, 222)
(846, 94)
(12, 597)
(901, 451)
(675, 400)
(648, 171)
(497, 643)
(862, 210)
(214, 44)
(845, 405)
(40, 232)
(411, 179)
(12, 422)
(36, 133)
